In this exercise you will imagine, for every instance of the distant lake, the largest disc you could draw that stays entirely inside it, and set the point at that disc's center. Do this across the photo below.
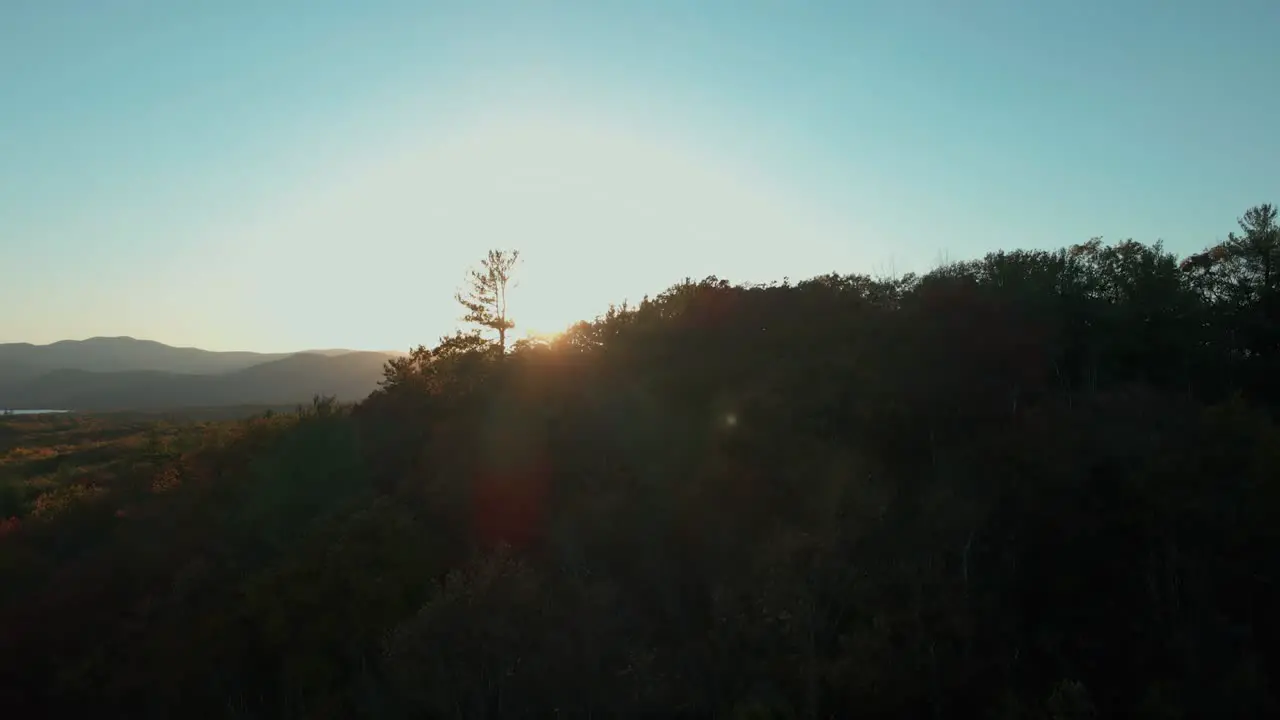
(30, 412)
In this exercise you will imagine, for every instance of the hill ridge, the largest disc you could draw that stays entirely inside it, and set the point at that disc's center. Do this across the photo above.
(125, 373)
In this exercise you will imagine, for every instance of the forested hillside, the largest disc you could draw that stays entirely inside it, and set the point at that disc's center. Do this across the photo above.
(1032, 485)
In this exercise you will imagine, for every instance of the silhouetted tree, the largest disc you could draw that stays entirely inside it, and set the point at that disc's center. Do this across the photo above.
(485, 296)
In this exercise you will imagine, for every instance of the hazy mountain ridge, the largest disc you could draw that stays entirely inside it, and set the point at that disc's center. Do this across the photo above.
(130, 374)
(118, 354)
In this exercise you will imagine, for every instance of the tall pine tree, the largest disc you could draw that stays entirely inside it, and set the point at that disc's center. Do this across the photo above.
(485, 296)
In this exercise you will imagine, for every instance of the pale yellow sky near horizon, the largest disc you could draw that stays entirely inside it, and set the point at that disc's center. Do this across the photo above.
(599, 214)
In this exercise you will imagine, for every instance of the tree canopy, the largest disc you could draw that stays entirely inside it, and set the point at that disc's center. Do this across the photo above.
(1035, 484)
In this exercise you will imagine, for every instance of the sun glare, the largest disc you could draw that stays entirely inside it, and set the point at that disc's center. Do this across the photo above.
(542, 337)
(600, 211)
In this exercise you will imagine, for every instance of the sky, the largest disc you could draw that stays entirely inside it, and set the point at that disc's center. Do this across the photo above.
(284, 175)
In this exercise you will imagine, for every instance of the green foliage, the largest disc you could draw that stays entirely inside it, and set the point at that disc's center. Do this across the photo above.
(1032, 485)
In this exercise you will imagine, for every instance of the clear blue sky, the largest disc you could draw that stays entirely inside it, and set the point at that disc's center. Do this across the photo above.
(283, 175)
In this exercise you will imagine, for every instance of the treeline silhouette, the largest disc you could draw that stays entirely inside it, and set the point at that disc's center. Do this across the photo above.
(1040, 484)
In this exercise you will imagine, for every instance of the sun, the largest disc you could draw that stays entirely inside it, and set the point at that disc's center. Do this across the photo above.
(543, 337)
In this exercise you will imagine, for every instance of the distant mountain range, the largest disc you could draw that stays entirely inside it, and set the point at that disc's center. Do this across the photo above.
(123, 373)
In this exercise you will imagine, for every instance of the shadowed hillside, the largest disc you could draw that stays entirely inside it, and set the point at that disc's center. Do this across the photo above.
(292, 379)
(1038, 484)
